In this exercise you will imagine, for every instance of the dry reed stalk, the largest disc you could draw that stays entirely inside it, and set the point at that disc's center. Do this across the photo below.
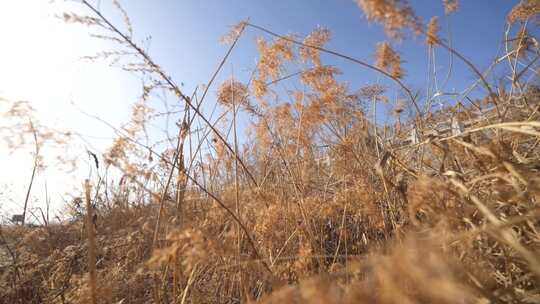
(177, 164)
(181, 180)
(349, 58)
(34, 169)
(91, 240)
(188, 285)
(165, 190)
(236, 180)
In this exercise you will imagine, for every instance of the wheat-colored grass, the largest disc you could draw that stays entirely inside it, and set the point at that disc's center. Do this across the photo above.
(322, 204)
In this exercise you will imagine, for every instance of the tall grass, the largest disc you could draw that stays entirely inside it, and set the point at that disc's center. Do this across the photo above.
(321, 204)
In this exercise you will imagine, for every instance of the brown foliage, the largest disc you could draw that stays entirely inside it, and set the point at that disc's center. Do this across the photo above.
(340, 208)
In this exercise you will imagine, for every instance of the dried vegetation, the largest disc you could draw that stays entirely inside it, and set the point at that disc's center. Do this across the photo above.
(320, 204)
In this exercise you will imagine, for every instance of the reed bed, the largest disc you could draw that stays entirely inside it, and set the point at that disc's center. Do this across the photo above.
(319, 203)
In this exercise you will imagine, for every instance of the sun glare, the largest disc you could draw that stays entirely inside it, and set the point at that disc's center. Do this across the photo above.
(40, 62)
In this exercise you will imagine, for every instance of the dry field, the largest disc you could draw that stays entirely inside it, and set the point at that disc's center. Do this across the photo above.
(317, 203)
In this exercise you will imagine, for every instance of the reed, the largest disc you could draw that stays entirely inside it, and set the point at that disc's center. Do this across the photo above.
(317, 202)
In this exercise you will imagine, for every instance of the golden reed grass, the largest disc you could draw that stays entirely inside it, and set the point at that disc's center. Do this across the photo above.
(321, 203)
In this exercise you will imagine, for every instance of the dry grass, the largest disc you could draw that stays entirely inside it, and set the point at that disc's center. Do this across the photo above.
(322, 205)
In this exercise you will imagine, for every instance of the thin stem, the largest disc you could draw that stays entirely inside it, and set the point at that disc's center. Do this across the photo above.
(237, 195)
(34, 169)
(91, 234)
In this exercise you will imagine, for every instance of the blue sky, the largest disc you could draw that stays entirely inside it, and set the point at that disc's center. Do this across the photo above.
(39, 58)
